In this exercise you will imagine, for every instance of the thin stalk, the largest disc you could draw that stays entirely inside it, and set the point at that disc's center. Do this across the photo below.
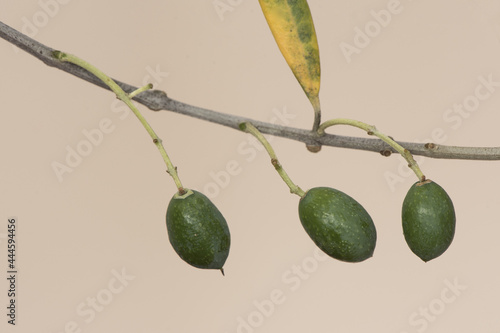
(127, 99)
(314, 148)
(372, 130)
(317, 113)
(140, 90)
(249, 128)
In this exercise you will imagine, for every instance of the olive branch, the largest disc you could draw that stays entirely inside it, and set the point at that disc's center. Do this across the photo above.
(157, 100)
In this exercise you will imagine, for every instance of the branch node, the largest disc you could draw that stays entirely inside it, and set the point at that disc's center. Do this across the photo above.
(430, 146)
(313, 148)
(386, 152)
(275, 163)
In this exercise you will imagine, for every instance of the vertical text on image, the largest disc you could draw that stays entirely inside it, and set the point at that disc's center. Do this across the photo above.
(12, 270)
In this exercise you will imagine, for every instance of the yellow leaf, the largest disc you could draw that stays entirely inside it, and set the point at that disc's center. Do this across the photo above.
(293, 29)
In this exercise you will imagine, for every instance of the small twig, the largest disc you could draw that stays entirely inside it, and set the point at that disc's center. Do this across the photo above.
(157, 100)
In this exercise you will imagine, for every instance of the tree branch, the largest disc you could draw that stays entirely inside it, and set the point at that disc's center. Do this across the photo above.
(157, 100)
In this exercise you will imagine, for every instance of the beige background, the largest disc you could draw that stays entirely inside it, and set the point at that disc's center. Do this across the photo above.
(107, 216)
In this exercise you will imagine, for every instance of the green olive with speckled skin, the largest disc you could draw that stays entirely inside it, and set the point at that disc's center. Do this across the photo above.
(338, 224)
(197, 230)
(428, 220)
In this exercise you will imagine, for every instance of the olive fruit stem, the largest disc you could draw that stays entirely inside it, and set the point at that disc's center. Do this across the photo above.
(127, 99)
(249, 128)
(372, 130)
